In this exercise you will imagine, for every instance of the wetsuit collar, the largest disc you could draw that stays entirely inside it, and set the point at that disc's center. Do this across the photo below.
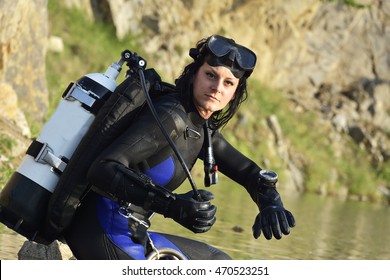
(194, 116)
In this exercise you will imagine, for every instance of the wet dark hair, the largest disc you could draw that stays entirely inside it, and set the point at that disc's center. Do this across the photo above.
(184, 84)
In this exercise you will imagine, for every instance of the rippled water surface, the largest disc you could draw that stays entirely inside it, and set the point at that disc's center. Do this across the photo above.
(326, 229)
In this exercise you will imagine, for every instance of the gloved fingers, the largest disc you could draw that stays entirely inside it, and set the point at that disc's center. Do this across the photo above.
(203, 206)
(200, 229)
(266, 226)
(203, 225)
(270, 225)
(290, 218)
(207, 213)
(274, 225)
(284, 226)
(206, 195)
(256, 228)
(205, 222)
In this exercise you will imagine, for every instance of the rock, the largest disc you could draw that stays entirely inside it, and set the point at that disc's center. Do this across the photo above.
(23, 43)
(294, 178)
(337, 52)
(55, 44)
(356, 133)
(11, 110)
(340, 122)
(55, 251)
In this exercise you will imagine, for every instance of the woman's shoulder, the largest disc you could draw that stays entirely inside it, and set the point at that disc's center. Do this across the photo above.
(169, 102)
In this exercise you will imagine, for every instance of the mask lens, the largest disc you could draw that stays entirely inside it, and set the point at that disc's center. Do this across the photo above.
(220, 46)
(246, 58)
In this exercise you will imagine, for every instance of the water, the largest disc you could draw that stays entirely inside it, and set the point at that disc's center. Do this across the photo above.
(327, 228)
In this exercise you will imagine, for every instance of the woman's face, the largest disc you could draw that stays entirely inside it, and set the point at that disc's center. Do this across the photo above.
(213, 88)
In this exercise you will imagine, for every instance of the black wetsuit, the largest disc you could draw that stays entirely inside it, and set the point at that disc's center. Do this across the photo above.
(98, 231)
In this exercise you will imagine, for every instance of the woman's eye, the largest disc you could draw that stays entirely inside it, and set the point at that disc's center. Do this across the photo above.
(210, 75)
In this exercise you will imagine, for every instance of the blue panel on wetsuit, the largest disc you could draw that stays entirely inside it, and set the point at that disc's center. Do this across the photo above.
(163, 172)
(161, 242)
(117, 229)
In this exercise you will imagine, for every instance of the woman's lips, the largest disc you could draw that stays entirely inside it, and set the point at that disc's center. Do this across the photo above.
(211, 97)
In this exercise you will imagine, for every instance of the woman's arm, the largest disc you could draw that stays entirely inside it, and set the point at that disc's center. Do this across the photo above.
(273, 219)
(233, 163)
(142, 139)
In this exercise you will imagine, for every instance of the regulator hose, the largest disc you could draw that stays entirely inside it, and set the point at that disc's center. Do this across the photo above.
(168, 138)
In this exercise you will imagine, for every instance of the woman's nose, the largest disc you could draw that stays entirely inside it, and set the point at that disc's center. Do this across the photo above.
(217, 86)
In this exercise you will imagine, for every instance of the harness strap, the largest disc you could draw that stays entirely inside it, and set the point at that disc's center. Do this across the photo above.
(42, 153)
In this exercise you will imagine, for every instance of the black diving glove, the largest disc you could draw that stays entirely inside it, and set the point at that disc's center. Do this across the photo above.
(273, 219)
(197, 216)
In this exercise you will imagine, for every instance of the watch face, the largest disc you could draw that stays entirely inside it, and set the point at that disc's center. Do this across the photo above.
(269, 176)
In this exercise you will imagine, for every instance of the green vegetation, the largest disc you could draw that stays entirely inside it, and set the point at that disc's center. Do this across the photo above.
(88, 47)
(351, 3)
(6, 166)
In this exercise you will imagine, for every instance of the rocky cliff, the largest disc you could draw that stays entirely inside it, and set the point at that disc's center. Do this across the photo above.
(328, 57)
(325, 56)
(23, 39)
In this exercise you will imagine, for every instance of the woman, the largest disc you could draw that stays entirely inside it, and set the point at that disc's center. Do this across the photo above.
(136, 175)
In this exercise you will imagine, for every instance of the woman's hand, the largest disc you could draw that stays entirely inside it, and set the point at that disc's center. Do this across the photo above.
(273, 219)
(197, 216)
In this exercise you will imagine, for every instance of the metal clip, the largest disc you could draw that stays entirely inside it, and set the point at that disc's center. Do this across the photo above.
(124, 211)
(46, 155)
(191, 133)
(82, 96)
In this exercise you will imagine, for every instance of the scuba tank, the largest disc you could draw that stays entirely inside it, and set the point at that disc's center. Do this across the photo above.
(113, 118)
(25, 197)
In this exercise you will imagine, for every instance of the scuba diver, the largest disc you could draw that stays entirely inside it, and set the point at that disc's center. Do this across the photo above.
(136, 176)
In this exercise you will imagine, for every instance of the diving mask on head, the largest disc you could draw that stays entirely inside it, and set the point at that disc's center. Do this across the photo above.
(221, 51)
